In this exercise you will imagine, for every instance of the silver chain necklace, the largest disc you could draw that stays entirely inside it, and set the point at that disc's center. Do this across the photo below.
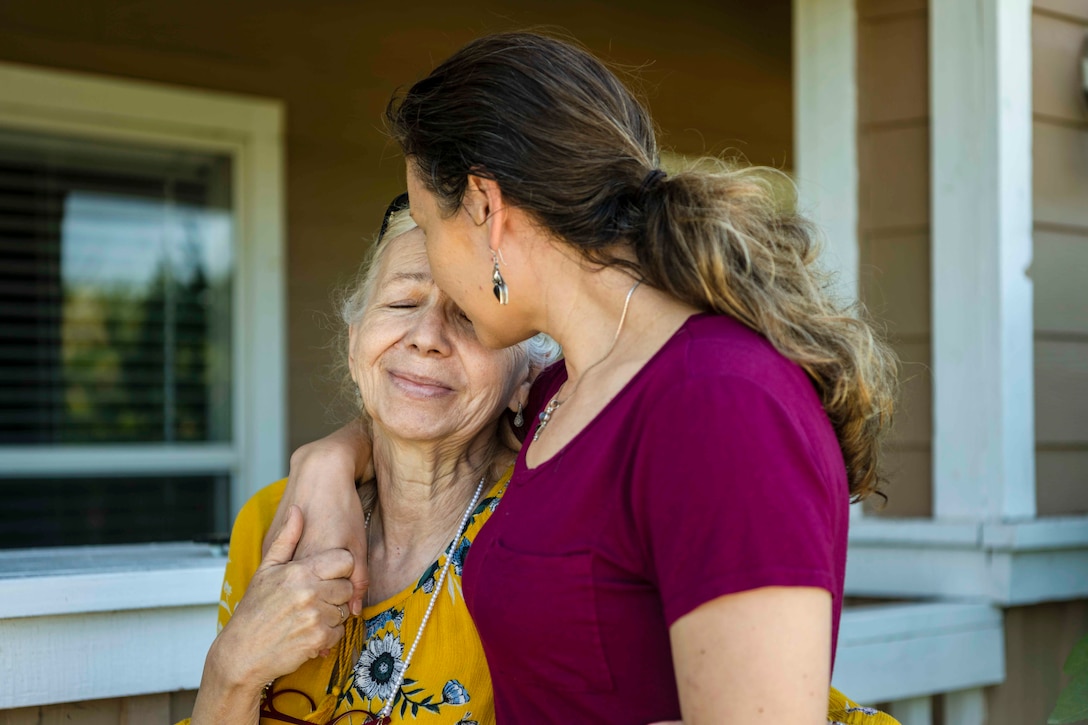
(555, 402)
(387, 709)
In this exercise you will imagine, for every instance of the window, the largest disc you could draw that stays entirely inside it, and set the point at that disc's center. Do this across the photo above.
(140, 254)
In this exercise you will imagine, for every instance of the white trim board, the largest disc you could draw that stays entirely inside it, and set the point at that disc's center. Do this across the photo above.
(79, 580)
(899, 651)
(115, 621)
(48, 660)
(1009, 564)
(886, 652)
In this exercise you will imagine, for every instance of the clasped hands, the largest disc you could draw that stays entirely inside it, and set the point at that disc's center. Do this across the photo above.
(292, 611)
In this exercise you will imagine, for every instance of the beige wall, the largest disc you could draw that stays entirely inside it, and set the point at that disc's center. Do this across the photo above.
(716, 74)
(1037, 641)
(893, 219)
(1060, 267)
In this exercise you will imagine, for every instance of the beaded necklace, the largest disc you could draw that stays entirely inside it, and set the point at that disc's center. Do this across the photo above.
(387, 709)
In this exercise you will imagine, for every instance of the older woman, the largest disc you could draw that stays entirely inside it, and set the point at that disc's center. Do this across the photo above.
(434, 399)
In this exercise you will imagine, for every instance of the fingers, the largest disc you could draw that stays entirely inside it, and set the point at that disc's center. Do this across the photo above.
(360, 582)
(335, 592)
(331, 564)
(283, 545)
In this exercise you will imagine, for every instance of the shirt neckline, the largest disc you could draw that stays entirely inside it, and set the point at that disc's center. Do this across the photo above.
(521, 464)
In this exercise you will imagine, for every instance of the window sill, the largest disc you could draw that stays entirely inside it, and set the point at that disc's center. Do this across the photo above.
(76, 580)
(119, 620)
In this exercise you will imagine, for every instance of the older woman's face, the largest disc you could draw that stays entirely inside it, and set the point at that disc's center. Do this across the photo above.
(422, 373)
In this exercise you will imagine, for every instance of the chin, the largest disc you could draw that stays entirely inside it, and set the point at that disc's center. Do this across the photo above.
(499, 339)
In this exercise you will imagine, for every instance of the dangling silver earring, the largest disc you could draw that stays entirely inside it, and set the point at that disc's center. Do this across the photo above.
(502, 292)
(519, 419)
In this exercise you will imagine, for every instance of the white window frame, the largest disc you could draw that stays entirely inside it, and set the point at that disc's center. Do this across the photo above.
(249, 130)
(88, 599)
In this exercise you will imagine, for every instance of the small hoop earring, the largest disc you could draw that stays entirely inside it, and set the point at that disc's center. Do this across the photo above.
(519, 419)
(502, 292)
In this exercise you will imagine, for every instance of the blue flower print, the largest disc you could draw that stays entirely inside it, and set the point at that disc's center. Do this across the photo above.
(454, 693)
(459, 556)
(429, 579)
(376, 623)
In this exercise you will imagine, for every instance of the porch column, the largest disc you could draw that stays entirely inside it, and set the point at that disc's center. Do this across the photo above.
(983, 392)
(825, 128)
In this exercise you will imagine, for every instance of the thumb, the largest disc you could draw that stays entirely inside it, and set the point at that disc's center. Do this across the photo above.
(282, 548)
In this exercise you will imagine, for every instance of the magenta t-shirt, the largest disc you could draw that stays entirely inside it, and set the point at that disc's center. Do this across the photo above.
(714, 471)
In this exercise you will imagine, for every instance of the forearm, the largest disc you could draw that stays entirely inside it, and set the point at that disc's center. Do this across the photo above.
(323, 473)
(346, 450)
(322, 486)
(224, 698)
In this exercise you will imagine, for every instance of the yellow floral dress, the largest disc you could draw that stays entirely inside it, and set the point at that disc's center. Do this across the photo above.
(841, 710)
(448, 680)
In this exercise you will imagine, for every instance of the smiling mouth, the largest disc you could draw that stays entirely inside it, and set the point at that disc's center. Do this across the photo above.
(419, 386)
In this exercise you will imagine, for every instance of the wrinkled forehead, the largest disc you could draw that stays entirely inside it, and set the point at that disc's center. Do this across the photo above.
(404, 257)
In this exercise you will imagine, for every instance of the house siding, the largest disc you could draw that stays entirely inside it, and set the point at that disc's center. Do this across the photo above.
(1039, 638)
(894, 228)
(161, 709)
(717, 79)
(1060, 155)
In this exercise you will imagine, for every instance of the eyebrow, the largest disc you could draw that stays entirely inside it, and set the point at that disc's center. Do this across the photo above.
(411, 277)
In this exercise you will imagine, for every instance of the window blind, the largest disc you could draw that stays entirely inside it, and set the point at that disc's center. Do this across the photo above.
(116, 277)
(115, 292)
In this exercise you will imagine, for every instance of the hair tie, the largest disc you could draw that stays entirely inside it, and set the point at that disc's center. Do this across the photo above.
(651, 182)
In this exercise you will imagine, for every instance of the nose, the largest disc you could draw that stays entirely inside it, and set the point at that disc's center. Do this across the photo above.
(430, 334)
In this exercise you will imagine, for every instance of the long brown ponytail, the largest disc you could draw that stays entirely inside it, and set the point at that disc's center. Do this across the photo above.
(570, 144)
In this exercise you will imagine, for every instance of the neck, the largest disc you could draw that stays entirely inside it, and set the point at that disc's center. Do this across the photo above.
(580, 305)
(584, 315)
(422, 493)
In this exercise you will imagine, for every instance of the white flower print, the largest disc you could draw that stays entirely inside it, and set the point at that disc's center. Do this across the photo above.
(379, 667)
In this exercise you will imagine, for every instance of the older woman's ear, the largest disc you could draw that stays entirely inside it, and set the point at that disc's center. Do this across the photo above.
(352, 336)
(520, 395)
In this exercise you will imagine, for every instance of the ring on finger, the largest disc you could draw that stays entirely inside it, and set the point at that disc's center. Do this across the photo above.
(343, 613)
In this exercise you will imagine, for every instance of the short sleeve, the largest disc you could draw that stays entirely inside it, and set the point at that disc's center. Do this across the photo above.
(246, 539)
(734, 489)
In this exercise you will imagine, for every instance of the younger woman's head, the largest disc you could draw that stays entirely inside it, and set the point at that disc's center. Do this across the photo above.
(572, 148)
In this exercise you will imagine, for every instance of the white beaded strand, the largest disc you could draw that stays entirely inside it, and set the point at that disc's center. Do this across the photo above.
(387, 709)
